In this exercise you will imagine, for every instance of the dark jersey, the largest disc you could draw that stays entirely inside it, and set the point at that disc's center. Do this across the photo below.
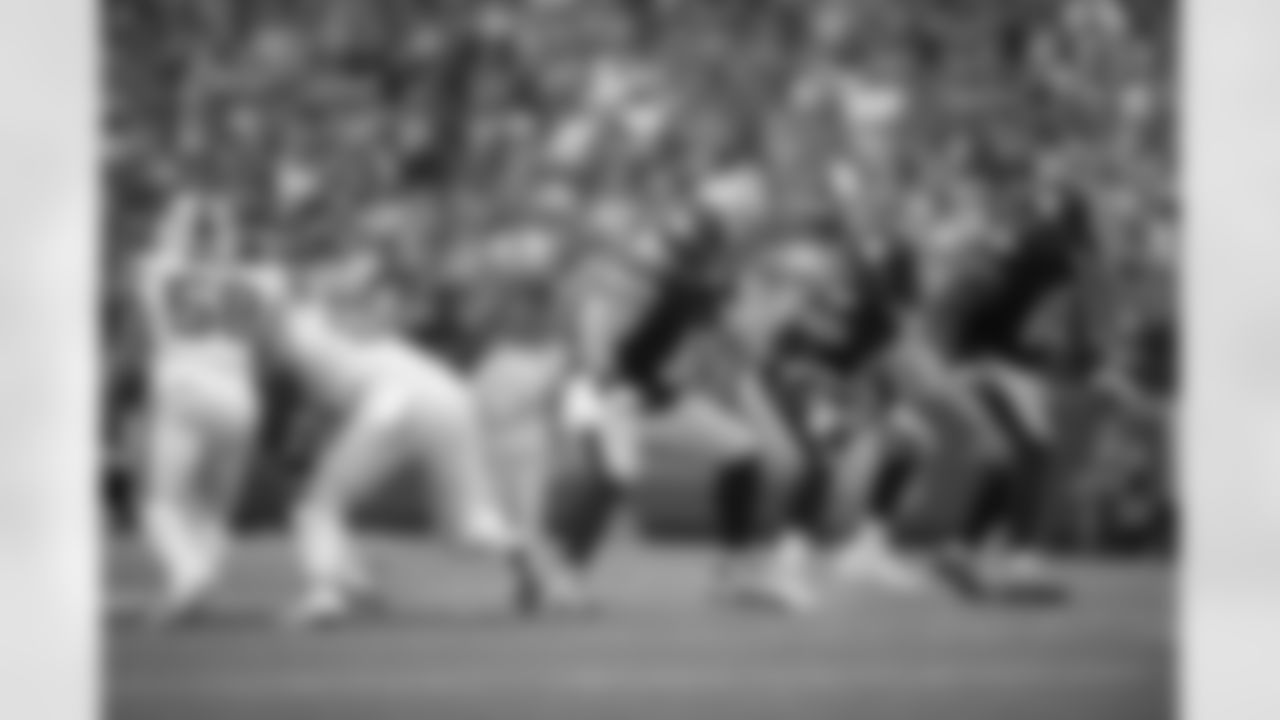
(809, 369)
(993, 316)
(1155, 361)
(688, 297)
(861, 332)
(448, 328)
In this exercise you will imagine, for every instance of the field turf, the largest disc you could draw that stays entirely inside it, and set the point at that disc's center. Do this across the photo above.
(661, 648)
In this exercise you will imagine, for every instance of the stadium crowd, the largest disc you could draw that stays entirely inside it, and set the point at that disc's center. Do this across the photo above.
(501, 142)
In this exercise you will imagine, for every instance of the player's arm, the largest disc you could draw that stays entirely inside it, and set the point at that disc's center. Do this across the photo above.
(1115, 384)
(688, 296)
(930, 374)
(148, 280)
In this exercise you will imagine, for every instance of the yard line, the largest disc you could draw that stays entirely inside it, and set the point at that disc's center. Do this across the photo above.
(959, 675)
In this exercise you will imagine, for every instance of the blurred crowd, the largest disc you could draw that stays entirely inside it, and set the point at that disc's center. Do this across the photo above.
(903, 124)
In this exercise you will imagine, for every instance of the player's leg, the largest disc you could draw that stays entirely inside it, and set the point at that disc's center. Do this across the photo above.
(195, 406)
(740, 474)
(368, 446)
(963, 494)
(808, 509)
(818, 499)
(621, 437)
(1003, 492)
(854, 474)
(227, 464)
(478, 507)
(523, 462)
(514, 390)
(602, 433)
(1021, 402)
(791, 520)
(172, 459)
(765, 561)
(881, 467)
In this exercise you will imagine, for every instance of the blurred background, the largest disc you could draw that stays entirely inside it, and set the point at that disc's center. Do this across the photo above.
(491, 116)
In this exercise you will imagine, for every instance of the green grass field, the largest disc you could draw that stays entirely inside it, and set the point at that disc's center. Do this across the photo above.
(661, 648)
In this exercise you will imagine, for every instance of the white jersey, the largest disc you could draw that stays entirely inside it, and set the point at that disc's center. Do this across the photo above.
(324, 356)
(425, 411)
(187, 310)
(342, 365)
(198, 357)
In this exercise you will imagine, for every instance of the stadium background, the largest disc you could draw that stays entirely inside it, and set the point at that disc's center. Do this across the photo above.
(492, 115)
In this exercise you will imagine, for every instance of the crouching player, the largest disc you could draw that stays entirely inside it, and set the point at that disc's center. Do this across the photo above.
(395, 406)
(999, 371)
(717, 334)
(832, 374)
(202, 416)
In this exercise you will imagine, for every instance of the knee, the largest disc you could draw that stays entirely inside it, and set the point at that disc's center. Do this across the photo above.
(386, 408)
(238, 427)
(486, 532)
(583, 408)
(783, 464)
(771, 475)
(167, 482)
(316, 509)
(621, 453)
(232, 445)
(156, 503)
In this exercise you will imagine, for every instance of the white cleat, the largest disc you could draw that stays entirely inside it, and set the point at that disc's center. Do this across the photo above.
(792, 556)
(174, 612)
(328, 608)
(1024, 577)
(779, 583)
(1008, 580)
(537, 596)
(878, 565)
(1026, 567)
(890, 572)
(790, 596)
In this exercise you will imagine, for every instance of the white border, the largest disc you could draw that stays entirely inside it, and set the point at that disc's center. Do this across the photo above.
(1232, 427)
(47, 221)
(1231, 438)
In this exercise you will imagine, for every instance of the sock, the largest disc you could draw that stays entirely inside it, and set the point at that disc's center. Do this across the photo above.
(583, 514)
(872, 537)
(788, 554)
(1021, 477)
(890, 484)
(539, 576)
(325, 551)
(809, 504)
(587, 520)
(739, 491)
(170, 536)
(214, 541)
(1026, 503)
(989, 507)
